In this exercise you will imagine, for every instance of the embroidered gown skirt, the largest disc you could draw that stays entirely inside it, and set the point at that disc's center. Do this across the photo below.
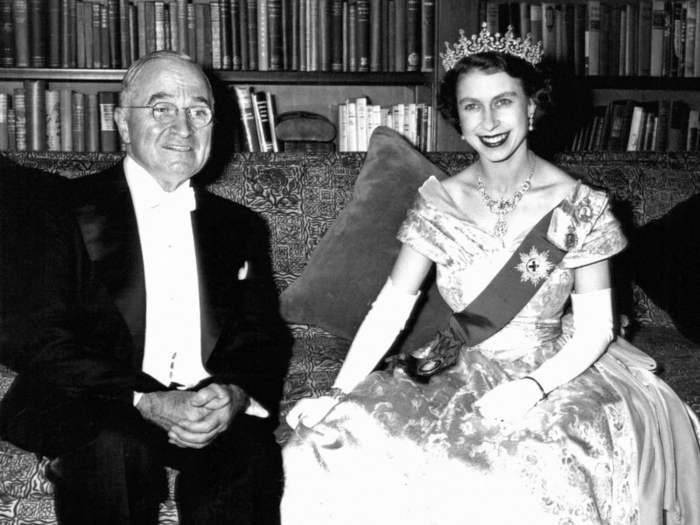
(613, 446)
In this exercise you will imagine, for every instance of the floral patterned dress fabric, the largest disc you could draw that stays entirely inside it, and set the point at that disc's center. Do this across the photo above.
(601, 449)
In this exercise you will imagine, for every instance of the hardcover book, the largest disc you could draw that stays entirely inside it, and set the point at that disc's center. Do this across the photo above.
(53, 120)
(109, 136)
(20, 23)
(7, 37)
(245, 106)
(275, 40)
(35, 107)
(78, 116)
(262, 120)
(413, 38)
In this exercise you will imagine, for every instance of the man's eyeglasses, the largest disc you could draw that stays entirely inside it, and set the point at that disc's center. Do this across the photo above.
(165, 113)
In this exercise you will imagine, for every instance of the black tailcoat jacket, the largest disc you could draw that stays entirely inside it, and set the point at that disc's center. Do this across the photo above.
(87, 344)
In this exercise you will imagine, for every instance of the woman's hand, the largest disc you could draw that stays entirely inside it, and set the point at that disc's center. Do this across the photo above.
(310, 411)
(509, 401)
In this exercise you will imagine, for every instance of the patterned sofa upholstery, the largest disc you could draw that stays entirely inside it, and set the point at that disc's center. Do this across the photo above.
(300, 196)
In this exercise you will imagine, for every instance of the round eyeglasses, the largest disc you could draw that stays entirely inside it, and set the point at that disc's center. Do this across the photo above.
(165, 113)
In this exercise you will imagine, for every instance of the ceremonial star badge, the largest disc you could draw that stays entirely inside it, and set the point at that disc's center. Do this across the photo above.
(534, 266)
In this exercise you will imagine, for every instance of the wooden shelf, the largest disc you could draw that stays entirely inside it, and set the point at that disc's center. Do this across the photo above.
(244, 77)
(643, 83)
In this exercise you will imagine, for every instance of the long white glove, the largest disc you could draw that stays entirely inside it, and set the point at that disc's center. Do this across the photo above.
(593, 332)
(380, 327)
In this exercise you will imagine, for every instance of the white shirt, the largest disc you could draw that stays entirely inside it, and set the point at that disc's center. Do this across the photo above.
(173, 347)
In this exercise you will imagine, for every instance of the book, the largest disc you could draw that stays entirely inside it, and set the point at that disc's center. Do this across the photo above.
(183, 27)
(658, 17)
(215, 34)
(35, 107)
(635, 129)
(7, 37)
(427, 35)
(593, 50)
(275, 37)
(352, 125)
(363, 41)
(225, 34)
(20, 112)
(361, 105)
(661, 142)
(263, 43)
(536, 21)
(20, 24)
(391, 37)
(53, 120)
(580, 39)
(376, 26)
(696, 54)
(96, 35)
(78, 117)
(107, 56)
(337, 35)
(262, 120)
(400, 42)
(245, 106)
(342, 127)
(352, 40)
(236, 57)
(66, 119)
(646, 9)
(4, 130)
(693, 130)
(413, 38)
(287, 12)
(272, 117)
(124, 34)
(677, 125)
(38, 17)
(631, 48)
(92, 123)
(252, 15)
(243, 25)
(690, 36)
(549, 37)
(109, 136)
(114, 32)
(312, 35)
(80, 36)
(133, 34)
(323, 42)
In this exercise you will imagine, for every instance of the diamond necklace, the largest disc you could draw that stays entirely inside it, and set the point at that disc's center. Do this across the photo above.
(502, 205)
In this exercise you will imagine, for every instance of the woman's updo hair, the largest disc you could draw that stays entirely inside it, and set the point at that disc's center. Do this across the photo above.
(535, 83)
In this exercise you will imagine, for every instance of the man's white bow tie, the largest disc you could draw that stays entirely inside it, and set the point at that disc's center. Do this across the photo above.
(182, 199)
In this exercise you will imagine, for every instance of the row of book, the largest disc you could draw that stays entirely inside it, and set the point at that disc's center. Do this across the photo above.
(34, 118)
(357, 119)
(263, 35)
(628, 125)
(258, 118)
(609, 38)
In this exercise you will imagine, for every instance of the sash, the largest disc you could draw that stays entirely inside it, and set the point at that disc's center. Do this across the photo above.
(507, 294)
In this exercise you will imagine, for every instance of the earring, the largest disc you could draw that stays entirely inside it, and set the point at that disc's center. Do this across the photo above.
(463, 137)
(532, 118)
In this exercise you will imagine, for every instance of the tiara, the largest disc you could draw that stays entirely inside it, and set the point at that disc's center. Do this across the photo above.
(508, 44)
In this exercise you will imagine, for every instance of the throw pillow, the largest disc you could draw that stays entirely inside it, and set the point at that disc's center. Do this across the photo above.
(352, 261)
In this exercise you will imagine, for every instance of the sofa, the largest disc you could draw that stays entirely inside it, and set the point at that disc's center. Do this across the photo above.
(301, 196)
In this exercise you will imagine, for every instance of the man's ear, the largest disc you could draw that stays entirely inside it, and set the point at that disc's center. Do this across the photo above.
(122, 124)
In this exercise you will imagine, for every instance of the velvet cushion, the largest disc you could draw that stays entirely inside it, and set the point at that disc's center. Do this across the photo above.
(352, 261)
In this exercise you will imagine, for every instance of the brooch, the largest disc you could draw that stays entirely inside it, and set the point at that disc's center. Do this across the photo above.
(534, 266)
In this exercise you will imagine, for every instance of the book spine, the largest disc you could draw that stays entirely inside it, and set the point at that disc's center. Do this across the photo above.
(549, 42)
(89, 37)
(245, 106)
(658, 21)
(114, 32)
(96, 35)
(324, 35)
(124, 36)
(263, 37)
(142, 28)
(413, 35)
(37, 23)
(391, 37)
(105, 38)
(252, 8)
(172, 34)
(428, 35)
(696, 55)
(644, 38)
(133, 34)
(4, 130)
(159, 14)
(208, 48)
(536, 22)
(690, 36)
(20, 111)
(215, 34)
(243, 26)
(262, 121)
(275, 41)
(109, 137)
(593, 37)
(400, 35)
(337, 35)
(66, 119)
(7, 37)
(235, 36)
(92, 123)
(363, 35)
(78, 122)
(352, 40)
(53, 120)
(312, 35)
(182, 27)
(20, 22)
(80, 36)
(635, 124)
(342, 127)
(630, 41)
(524, 14)
(352, 125)
(272, 117)
(361, 104)
(225, 21)
(35, 106)
(375, 35)
(384, 36)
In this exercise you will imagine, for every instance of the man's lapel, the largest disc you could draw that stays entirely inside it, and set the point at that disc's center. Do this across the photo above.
(108, 223)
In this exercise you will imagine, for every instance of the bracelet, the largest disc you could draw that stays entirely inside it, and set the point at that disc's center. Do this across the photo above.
(544, 394)
(335, 393)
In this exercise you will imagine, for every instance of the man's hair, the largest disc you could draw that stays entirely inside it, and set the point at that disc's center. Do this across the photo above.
(135, 69)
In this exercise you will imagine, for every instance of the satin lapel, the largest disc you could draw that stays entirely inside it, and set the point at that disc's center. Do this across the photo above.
(108, 223)
(206, 246)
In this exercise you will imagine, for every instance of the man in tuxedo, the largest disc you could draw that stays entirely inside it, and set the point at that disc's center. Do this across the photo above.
(162, 344)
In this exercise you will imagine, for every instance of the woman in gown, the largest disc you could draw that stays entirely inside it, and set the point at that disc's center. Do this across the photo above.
(524, 410)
